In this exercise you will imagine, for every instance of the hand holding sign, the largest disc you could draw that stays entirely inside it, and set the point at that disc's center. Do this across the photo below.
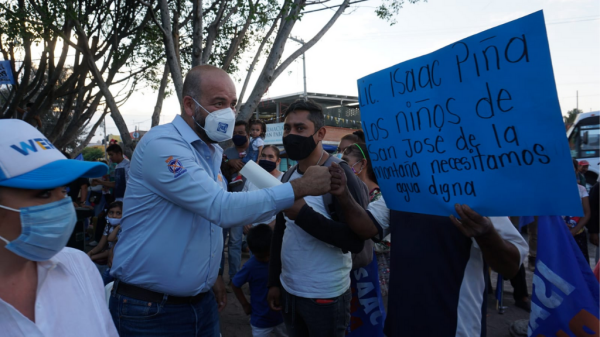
(471, 224)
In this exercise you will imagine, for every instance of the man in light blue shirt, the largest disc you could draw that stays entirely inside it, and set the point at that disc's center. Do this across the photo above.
(168, 255)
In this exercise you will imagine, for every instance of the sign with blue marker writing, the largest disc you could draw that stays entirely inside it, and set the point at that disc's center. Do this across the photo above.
(477, 122)
(6, 75)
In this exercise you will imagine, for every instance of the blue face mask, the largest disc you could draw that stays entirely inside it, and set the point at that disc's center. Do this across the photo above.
(45, 230)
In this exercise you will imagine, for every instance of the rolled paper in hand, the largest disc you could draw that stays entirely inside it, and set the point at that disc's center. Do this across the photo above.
(258, 176)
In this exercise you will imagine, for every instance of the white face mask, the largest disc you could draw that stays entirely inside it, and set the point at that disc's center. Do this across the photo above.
(219, 124)
(113, 221)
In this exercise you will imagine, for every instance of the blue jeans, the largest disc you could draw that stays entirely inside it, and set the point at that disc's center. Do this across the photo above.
(135, 318)
(106, 277)
(234, 250)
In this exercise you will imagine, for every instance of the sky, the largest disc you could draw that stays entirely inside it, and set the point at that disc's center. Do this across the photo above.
(360, 44)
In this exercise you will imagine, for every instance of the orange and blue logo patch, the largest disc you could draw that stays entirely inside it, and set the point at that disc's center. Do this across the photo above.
(175, 167)
(32, 145)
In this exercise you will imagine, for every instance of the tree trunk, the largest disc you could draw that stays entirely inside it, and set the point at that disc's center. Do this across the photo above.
(197, 34)
(266, 77)
(255, 60)
(213, 30)
(89, 136)
(235, 43)
(160, 97)
(110, 100)
(170, 47)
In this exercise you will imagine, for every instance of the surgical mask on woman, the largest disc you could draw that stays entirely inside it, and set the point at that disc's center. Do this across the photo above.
(45, 230)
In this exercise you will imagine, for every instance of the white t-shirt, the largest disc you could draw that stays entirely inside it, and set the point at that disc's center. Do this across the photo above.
(381, 213)
(311, 268)
(248, 186)
(258, 142)
(70, 301)
(582, 192)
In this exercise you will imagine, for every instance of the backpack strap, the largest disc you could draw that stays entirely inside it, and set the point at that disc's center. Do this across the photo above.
(288, 174)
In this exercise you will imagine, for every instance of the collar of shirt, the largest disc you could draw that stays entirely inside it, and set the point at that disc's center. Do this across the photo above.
(45, 267)
(185, 130)
(207, 151)
(63, 281)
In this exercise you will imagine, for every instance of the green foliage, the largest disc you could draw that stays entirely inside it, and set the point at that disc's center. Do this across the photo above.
(571, 116)
(92, 154)
(389, 9)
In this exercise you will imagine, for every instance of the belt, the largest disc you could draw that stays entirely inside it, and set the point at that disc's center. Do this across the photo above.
(142, 294)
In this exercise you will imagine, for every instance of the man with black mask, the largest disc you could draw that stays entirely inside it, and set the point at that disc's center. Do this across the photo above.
(310, 252)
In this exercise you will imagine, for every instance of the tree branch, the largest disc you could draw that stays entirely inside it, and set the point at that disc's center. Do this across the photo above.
(170, 46)
(312, 41)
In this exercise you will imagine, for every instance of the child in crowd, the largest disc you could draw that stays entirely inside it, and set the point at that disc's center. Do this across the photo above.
(100, 253)
(263, 320)
(257, 133)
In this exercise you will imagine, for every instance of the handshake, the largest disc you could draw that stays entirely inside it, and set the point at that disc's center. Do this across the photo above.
(319, 180)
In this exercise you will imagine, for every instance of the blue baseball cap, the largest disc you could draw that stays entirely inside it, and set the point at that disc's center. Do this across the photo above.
(28, 160)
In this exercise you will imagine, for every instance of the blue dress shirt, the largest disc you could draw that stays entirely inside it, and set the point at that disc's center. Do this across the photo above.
(175, 205)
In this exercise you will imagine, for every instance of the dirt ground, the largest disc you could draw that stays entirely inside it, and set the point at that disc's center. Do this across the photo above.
(234, 323)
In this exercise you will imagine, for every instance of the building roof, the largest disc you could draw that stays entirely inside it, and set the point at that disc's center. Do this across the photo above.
(339, 110)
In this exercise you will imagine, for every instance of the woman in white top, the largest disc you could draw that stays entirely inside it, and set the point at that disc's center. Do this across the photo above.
(45, 288)
(269, 160)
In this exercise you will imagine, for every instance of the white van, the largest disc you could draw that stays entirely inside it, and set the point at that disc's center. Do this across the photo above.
(584, 141)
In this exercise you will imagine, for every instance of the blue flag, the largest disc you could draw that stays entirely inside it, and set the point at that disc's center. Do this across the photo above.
(565, 292)
(6, 75)
(366, 310)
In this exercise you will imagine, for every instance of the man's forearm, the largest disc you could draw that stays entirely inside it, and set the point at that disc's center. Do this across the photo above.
(109, 184)
(501, 255)
(300, 190)
(356, 217)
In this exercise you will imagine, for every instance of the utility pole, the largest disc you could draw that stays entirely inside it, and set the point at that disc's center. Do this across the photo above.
(577, 95)
(303, 64)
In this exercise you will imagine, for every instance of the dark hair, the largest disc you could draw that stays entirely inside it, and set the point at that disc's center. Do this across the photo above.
(115, 204)
(263, 127)
(115, 148)
(576, 164)
(274, 148)
(359, 150)
(352, 138)
(315, 111)
(259, 239)
(360, 134)
(244, 123)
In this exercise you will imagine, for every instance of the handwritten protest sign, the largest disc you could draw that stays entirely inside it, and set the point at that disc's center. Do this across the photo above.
(274, 133)
(6, 76)
(477, 122)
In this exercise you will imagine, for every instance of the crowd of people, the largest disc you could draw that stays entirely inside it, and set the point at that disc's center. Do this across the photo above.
(166, 221)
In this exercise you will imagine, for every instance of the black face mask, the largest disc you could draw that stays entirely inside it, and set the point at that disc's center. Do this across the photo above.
(299, 147)
(239, 140)
(267, 165)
